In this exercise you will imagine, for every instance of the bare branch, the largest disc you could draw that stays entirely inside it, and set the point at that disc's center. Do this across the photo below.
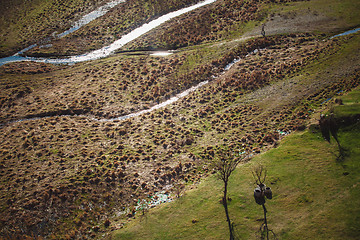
(259, 173)
(224, 164)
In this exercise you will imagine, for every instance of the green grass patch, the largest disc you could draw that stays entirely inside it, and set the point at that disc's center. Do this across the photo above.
(315, 197)
(350, 106)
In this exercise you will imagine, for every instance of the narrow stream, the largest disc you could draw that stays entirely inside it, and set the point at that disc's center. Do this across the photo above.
(131, 115)
(101, 11)
(346, 33)
(107, 50)
(163, 104)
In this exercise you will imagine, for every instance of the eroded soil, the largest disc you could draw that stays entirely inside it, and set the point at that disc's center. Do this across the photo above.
(68, 176)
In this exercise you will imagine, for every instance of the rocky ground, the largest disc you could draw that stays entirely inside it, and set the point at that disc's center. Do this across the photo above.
(68, 176)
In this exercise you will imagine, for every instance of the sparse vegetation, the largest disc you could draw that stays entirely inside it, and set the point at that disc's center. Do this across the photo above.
(65, 175)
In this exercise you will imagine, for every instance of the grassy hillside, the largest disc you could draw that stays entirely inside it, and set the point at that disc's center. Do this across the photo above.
(236, 19)
(66, 175)
(315, 196)
(25, 23)
(103, 31)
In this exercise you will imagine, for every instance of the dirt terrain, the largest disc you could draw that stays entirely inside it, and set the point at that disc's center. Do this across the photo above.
(65, 175)
(24, 23)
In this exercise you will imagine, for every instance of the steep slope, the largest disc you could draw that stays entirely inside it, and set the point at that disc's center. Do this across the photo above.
(70, 176)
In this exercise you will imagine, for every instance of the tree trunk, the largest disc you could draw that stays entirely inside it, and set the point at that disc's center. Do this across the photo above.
(227, 211)
(265, 221)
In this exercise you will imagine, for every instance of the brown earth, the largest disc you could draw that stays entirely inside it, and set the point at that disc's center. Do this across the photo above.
(71, 176)
(24, 23)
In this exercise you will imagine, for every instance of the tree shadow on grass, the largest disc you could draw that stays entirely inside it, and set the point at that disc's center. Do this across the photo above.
(342, 154)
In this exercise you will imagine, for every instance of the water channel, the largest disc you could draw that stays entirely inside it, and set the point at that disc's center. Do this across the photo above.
(107, 50)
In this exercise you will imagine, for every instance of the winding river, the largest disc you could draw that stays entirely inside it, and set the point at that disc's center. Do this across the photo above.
(101, 11)
(110, 49)
(107, 50)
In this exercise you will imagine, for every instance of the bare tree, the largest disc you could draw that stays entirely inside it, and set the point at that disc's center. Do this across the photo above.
(224, 164)
(259, 174)
(178, 187)
(260, 193)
